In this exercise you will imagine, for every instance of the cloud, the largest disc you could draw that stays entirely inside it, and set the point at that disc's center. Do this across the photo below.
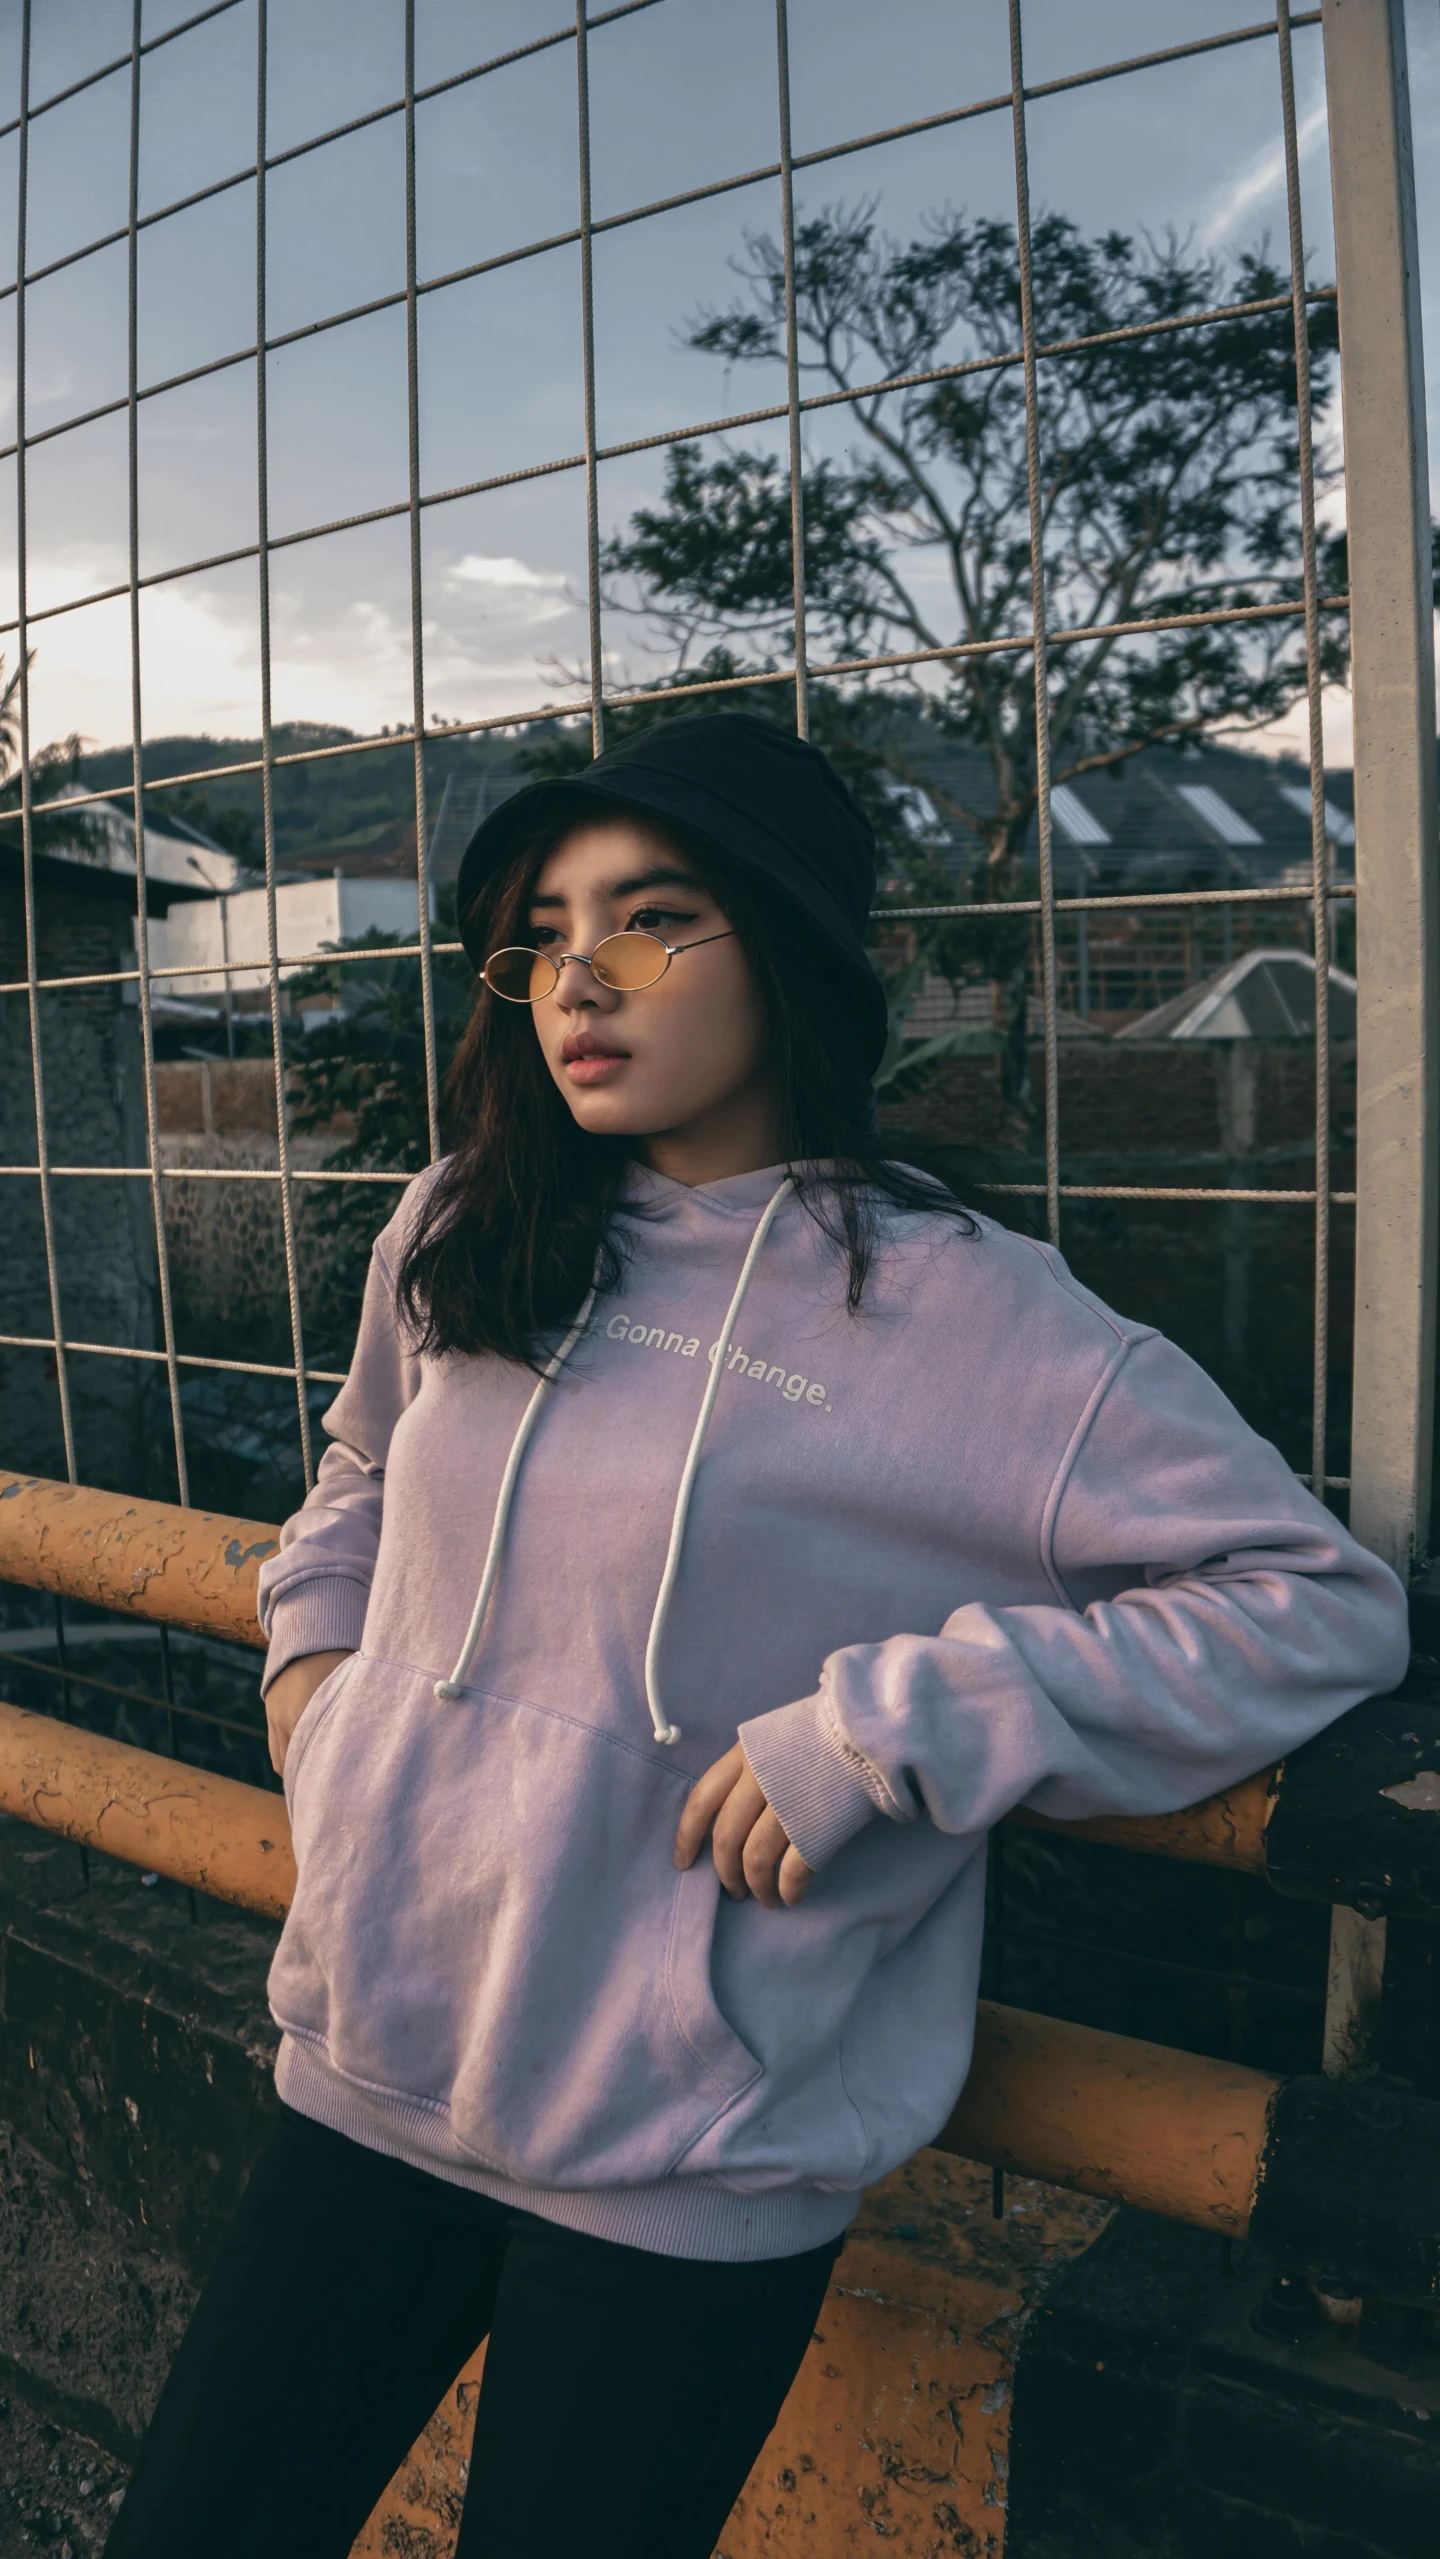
(1264, 177)
(504, 576)
(490, 633)
(198, 668)
(495, 603)
(494, 632)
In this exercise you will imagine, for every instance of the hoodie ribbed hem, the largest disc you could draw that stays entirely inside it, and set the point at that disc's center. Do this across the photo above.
(674, 2217)
(818, 1794)
(321, 1615)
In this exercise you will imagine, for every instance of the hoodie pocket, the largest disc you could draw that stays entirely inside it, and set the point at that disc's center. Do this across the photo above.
(488, 1923)
(317, 1707)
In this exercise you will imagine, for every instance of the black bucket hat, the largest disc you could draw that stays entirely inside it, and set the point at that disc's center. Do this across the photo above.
(767, 799)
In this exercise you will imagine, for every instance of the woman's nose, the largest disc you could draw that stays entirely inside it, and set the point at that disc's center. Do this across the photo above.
(578, 988)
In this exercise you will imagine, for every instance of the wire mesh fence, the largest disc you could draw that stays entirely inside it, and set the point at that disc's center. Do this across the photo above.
(1295, 595)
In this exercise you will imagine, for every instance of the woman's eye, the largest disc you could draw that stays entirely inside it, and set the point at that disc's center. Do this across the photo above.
(657, 919)
(543, 936)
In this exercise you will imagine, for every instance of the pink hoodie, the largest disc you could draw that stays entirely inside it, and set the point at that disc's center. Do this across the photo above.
(984, 1543)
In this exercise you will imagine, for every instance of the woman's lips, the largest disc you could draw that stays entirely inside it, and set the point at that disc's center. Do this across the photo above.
(593, 1070)
(587, 1060)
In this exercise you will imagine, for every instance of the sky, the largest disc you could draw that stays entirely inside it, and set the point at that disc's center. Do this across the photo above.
(681, 93)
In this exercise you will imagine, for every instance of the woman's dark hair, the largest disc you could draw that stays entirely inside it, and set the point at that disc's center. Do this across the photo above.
(508, 1237)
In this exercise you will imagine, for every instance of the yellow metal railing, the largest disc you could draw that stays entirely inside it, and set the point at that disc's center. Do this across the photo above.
(199, 1569)
(1136, 2123)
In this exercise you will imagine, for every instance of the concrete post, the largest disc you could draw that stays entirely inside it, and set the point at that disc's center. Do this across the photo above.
(1393, 673)
(1391, 614)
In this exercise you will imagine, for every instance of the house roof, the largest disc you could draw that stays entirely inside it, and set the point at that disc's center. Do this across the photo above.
(1169, 818)
(180, 862)
(1265, 995)
(81, 874)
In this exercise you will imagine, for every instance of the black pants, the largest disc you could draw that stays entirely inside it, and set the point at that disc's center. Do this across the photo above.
(625, 2395)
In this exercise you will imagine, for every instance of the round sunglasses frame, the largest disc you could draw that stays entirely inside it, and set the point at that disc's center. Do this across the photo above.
(557, 961)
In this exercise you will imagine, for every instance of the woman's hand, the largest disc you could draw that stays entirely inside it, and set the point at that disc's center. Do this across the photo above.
(288, 1696)
(749, 1841)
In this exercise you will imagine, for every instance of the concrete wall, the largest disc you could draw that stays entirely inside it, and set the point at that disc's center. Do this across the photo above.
(1174, 2400)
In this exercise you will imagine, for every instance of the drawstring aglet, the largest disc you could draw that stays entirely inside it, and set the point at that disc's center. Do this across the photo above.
(447, 1690)
(670, 1734)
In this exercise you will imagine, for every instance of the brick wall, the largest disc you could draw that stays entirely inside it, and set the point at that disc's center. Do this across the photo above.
(223, 1097)
(1233, 1283)
(90, 1048)
(226, 1238)
(1122, 1099)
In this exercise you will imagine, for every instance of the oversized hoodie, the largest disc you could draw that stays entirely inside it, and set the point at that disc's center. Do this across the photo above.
(983, 1543)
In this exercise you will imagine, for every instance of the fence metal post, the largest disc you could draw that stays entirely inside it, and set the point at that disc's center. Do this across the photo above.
(1393, 676)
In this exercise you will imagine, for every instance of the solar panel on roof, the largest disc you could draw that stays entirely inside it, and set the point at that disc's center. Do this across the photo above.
(1074, 820)
(1339, 827)
(1227, 823)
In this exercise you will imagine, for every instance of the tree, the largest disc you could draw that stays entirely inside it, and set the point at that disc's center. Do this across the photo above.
(54, 770)
(1169, 476)
(1168, 479)
(9, 717)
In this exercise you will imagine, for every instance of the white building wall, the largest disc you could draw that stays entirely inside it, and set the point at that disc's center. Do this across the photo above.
(310, 916)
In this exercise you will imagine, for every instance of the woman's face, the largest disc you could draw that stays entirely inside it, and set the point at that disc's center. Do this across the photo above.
(682, 1063)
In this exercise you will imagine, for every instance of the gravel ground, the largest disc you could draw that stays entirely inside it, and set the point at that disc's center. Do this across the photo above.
(59, 2493)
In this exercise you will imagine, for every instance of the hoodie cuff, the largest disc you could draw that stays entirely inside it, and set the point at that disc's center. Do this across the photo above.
(817, 1792)
(315, 1617)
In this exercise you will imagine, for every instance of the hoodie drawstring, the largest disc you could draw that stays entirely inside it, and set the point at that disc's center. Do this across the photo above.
(447, 1690)
(665, 1731)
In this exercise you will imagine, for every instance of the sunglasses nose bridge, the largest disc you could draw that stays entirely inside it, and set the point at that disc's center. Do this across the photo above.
(583, 992)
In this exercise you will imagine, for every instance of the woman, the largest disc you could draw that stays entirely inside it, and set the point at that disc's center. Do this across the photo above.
(721, 1530)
